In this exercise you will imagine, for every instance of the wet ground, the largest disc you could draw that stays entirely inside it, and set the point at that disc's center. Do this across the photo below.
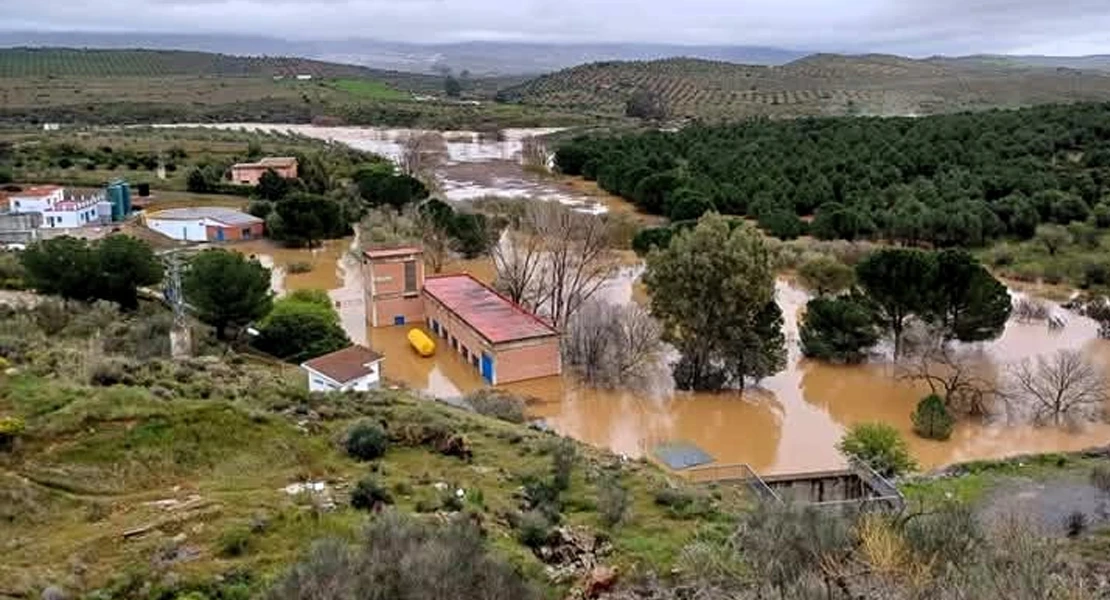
(791, 422)
(469, 165)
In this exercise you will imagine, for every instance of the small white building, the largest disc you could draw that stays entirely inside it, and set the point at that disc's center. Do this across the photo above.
(352, 369)
(206, 224)
(36, 199)
(77, 212)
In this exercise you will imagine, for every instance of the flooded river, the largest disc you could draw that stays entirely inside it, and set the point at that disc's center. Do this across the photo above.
(791, 422)
(469, 164)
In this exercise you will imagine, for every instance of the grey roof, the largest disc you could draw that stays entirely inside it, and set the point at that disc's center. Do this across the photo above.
(227, 216)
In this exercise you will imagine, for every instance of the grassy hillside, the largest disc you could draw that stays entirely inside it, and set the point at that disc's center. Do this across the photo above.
(816, 85)
(148, 86)
(135, 472)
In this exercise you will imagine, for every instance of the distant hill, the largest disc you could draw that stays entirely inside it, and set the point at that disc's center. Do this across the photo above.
(480, 58)
(77, 62)
(821, 84)
(113, 86)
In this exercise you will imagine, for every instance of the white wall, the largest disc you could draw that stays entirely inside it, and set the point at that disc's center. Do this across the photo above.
(69, 218)
(32, 204)
(192, 231)
(318, 382)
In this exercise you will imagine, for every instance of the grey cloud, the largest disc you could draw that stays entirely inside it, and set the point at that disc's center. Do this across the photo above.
(916, 27)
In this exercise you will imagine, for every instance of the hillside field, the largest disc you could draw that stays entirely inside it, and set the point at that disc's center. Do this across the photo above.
(156, 86)
(816, 85)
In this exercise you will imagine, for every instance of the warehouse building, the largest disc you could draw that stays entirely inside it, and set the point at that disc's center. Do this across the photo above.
(206, 224)
(499, 339)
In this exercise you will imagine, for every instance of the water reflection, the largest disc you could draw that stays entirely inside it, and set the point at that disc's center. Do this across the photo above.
(791, 422)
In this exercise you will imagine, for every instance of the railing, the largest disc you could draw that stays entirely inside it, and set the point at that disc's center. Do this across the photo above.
(737, 473)
(876, 491)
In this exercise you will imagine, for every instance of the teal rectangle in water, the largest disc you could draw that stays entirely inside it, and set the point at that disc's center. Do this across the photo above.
(681, 455)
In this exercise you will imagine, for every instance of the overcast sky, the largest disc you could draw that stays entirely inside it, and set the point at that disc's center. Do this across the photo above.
(916, 27)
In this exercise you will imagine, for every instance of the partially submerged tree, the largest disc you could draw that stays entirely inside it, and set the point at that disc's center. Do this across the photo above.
(878, 446)
(967, 301)
(420, 153)
(300, 327)
(713, 289)
(839, 329)
(931, 418)
(227, 289)
(953, 374)
(825, 275)
(612, 346)
(899, 282)
(1062, 388)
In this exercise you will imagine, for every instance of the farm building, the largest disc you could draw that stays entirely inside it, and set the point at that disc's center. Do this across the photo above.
(352, 369)
(205, 224)
(499, 339)
(250, 173)
(36, 199)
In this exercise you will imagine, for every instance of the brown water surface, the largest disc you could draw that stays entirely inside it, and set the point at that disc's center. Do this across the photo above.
(791, 422)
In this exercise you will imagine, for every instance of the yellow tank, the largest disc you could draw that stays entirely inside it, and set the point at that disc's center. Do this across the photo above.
(420, 341)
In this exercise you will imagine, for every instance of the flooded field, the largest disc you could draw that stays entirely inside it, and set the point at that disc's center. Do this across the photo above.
(790, 423)
(471, 165)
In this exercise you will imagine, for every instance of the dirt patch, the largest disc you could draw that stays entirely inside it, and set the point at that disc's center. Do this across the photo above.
(1048, 505)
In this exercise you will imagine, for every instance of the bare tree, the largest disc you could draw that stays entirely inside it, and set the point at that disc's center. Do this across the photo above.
(951, 374)
(612, 346)
(577, 258)
(533, 154)
(518, 258)
(436, 241)
(554, 259)
(420, 153)
(1062, 387)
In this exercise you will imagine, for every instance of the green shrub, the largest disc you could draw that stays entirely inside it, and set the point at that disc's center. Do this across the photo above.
(931, 419)
(234, 542)
(562, 464)
(497, 404)
(369, 494)
(533, 529)
(612, 501)
(366, 440)
(297, 267)
(10, 430)
(879, 446)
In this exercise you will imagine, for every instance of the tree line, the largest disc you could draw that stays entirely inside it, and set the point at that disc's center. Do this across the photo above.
(946, 180)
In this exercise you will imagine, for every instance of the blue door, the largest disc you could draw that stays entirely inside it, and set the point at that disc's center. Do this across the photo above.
(219, 234)
(399, 320)
(487, 368)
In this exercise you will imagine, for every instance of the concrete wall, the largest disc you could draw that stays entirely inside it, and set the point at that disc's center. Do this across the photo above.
(528, 359)
(19, 228)
(387, 297)
(233, 233)
(467, 343)
(178, 229)
(67, 219)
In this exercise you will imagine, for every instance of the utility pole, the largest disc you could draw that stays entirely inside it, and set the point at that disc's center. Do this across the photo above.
(180, 338)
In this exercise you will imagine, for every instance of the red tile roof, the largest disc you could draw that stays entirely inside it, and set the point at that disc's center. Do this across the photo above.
(492, 315)
(346, 364)
(393, 251)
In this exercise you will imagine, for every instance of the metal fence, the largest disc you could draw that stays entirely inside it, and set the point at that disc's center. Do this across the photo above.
(874, 491)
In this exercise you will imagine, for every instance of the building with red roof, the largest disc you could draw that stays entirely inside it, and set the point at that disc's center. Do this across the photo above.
(498, 338)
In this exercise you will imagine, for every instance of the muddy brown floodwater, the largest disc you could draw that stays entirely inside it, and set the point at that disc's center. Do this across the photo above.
(791, 422)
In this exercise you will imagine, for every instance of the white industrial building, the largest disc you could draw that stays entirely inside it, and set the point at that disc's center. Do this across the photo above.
(352, 369)
(205, 224)
(77, 212)
(36, 199)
